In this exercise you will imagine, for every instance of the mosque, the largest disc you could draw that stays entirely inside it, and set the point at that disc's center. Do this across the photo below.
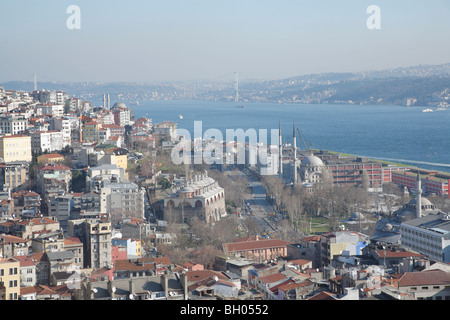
(416, 207)
(200, 196)
(388, 230)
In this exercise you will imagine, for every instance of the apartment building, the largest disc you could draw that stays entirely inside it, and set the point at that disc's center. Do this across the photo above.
(95, 234)
(13, 124)
(15, 148)
(428, 235)
(47, 141)
(339, 242)
(13, 175)
(53, 179)
(9, 279)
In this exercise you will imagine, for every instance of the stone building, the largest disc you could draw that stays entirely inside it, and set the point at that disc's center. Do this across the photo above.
(200, 196)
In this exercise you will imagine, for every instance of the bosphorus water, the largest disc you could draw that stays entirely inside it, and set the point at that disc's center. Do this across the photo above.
(386, 132)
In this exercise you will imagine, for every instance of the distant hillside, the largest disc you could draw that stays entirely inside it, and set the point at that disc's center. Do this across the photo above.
(424, 83)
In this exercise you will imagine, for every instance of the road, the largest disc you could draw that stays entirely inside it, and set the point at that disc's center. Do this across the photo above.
(258, 204)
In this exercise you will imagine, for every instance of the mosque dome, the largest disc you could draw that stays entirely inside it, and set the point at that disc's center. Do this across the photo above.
(118, 105)
(357, 216)
(187, 189)
(312, 161)
(424, 202)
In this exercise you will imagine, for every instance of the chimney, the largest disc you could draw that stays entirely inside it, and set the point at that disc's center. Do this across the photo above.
(111, 289)
(184, 284)
(131, 287)
(165, 284)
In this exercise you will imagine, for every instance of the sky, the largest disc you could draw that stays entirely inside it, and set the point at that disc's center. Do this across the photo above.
(151, 41)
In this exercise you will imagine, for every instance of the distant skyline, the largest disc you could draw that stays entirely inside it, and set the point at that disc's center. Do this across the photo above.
(151, 41)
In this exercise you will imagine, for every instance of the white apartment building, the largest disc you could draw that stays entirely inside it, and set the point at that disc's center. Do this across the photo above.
(13, 124)
(61, 97)
(56, 110)
(64, 125)
(123, 199)
(118, 196)
(122, 116)
(47, 141)
(428, 235)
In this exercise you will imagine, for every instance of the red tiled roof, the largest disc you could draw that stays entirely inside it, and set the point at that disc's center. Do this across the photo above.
(293, 285)
(193, 276)
(55, 167)
(25, 261)
(52, 155)
(397, 254)
(300, 262)
(323, 296)
(250, 245)
(312, 239)
(72, 240)
(272, 278)
(430, 277)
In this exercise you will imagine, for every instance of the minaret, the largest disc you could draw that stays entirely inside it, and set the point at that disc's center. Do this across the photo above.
(104, 101)
(280, 152)
(108, 102)
(294, 143)
(419, 197)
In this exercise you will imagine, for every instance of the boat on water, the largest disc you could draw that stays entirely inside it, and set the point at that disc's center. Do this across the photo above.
(427, 110)
(180, 116)
(135, 103)
(241, 106)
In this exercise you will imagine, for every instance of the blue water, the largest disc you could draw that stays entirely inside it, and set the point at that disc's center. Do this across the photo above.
(394, 133)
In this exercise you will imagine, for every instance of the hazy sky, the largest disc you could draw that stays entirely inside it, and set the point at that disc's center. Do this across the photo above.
(146, 40)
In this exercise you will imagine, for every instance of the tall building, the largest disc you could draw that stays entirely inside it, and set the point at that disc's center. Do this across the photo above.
(119, 197)
(95, 234)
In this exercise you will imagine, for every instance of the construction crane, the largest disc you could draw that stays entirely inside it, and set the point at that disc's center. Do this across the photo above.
(307, 148)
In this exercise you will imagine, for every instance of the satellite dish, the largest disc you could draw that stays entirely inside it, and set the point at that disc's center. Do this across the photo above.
(94, 290)
(131, 296)
(113, 289)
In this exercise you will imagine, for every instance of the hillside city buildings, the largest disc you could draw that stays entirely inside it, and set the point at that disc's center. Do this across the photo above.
(77, 223)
